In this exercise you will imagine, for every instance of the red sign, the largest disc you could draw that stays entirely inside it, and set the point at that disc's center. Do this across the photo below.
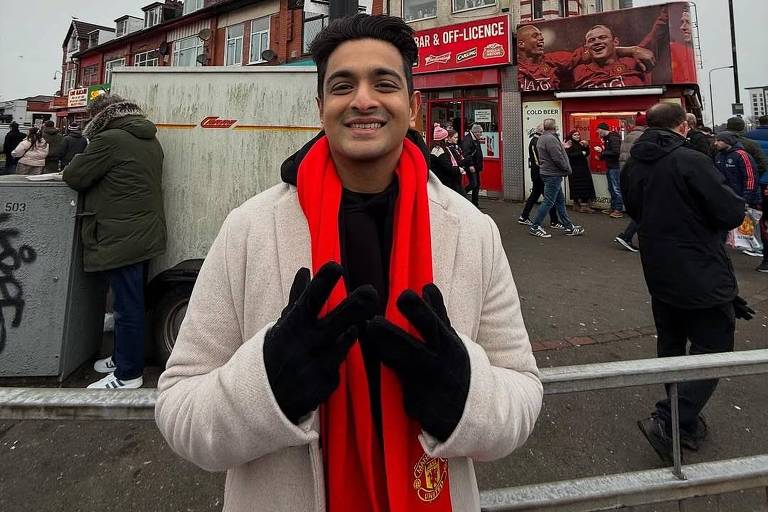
(60, 102)
(474, 44)
(215, 122)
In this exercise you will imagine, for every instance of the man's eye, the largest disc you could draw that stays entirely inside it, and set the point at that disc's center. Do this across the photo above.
(340, 88)
(387, 86)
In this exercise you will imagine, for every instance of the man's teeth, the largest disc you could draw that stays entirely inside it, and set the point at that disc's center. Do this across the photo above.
(366, 126)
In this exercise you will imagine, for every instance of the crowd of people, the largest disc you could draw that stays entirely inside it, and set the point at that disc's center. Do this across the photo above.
(452, 162)
(42, 150)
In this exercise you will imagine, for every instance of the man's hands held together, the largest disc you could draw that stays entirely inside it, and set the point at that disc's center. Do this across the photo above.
(302, 353)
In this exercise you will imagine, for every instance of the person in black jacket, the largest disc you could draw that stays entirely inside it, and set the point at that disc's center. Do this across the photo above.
(682, 207)
(12, 139)
(473, 156)
(442, 161)
(699, 140)
(537, 190)
(609, 153)
(74, 144)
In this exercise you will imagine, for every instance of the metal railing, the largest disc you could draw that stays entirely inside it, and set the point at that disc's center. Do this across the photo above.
(596, 493)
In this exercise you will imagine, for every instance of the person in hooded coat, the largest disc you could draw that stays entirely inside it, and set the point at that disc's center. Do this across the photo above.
(683, 206)
(74, 144)
(55, 141)
(120, 174)
(12, 139)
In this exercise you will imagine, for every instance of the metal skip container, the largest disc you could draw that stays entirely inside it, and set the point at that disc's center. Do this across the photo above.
(51, 311)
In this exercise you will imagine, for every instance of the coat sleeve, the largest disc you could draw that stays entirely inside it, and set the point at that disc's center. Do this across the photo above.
(215, 406)
(612, 147)
(21, 149)
(558, 154)
(90, 166)
(468, 148)
(505, 392)
(749, 176)
(723, 208)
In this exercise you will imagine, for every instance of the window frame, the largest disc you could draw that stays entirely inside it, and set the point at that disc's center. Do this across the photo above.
(227, 39)
(138, 62)
(258, 33)
(73, 44)
(199, 45)
(191, 6)
(156, 13)
(108, 65)
(94, 72)
(413, 20)
(311, 17)
(456, 11)
(540, 5)
(121, 24)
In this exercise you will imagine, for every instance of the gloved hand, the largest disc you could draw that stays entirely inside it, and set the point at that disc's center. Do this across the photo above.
(302, 353)
(742, 309)
(434, 373)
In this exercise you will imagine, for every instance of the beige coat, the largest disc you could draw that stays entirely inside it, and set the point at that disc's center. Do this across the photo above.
(34, 157)
(216, 408)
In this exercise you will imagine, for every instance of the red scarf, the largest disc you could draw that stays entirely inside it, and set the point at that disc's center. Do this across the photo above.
(360, 474)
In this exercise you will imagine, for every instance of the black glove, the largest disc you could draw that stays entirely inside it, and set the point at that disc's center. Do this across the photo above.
(435, 373)
(742, 309)
(302, 353)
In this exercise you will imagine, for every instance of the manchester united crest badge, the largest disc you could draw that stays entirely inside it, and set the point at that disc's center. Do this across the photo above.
(619, 69)
(429, 477)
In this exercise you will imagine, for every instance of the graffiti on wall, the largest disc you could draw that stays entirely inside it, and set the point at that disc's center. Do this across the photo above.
(11, 289)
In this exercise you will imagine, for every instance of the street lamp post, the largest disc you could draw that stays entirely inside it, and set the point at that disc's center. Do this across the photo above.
(711, 98)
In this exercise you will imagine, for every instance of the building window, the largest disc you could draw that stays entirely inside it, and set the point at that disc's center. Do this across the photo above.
(72, 45)
(153, 16)
(150, 58)
(562, 8)
(259, 39)
(313, 24)
(69, 80)
(122, 28)
(90, 75)
(234, 48)
(93, 39)
(466, 5)
(108, 69)
(414, 10)
(538, 9)
(598, 5)
(185, 51)
(192, 6)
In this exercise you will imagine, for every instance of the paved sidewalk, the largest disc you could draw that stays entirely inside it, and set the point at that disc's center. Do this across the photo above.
(583, 299)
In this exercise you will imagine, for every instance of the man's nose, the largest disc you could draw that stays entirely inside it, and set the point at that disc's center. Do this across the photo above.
(365, 98)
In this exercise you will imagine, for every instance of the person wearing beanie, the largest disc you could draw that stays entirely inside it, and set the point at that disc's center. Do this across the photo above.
(638, 125)
(736, 125)
(473, 155)
(699, 140)
(738, 167)
(610, 152)
(12, 139)
(120, 175)
(442, 161)
(74, 144)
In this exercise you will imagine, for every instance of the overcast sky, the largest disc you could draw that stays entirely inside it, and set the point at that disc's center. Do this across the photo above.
(31, 39)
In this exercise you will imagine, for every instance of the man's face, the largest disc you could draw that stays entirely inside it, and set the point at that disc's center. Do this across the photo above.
(601, 132)
(601, 43)
(366, 110)
(531, 41)
(685, 26)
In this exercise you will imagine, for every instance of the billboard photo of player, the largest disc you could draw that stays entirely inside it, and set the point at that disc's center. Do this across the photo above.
(606, 68)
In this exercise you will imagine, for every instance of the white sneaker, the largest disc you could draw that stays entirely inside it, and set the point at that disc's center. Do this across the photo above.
(105, 365)
(112, 382)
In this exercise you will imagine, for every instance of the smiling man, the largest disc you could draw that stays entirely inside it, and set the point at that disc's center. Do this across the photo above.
(606, 67)
(371, 381)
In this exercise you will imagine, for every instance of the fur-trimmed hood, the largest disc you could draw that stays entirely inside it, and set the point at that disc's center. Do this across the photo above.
(131, 119)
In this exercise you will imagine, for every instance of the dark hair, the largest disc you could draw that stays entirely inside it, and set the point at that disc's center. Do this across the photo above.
(14, 126)
(762, 120)
(34, 136)
(362, 26)
(49, 124)
(570, 135)
(451, 132)
(665, 115)
(609, 29)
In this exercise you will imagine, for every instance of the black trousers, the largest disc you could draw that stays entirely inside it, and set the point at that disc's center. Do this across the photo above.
(709, 331)
(474, 186)
(536, 192)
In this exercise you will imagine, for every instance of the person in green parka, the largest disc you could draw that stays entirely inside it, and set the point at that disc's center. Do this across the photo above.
(120, 175)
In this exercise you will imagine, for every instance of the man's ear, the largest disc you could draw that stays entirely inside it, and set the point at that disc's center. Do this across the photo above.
(320, 109)
(415, 108)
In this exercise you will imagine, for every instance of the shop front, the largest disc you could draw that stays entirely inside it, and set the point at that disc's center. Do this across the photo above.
(459, 75)
(625, 67)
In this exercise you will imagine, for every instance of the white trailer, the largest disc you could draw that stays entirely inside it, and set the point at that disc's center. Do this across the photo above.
(225, 132)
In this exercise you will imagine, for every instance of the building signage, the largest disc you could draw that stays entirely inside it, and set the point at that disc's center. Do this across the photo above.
(626, 48)
(77, 97)
(473, 44)
(534, 114)
(60, 102)
(216, 122)
(95, 91)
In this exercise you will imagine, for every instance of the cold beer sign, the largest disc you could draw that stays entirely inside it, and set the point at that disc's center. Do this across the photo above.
(473, 44)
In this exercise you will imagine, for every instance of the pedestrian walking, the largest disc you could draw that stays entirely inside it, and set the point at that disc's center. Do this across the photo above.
(473, 156)
(554, 166)
(609, 153)
(737, 125)
(55, 141)
(760, 136)
(74, 144)
(12, 139)
(265, 371)
(120, 174)
(458, 157)
(31, 153)
(442, 161)
(738, 168)
(637, 125)
(683, 206)
(537, 188)
(698, 138)
(580, 182)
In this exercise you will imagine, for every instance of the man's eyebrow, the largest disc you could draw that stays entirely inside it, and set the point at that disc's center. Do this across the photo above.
(380, 71)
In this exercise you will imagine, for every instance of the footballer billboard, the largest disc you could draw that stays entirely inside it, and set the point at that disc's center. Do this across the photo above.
(625, 48)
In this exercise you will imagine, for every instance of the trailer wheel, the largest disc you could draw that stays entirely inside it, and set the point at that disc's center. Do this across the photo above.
(167, 316)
